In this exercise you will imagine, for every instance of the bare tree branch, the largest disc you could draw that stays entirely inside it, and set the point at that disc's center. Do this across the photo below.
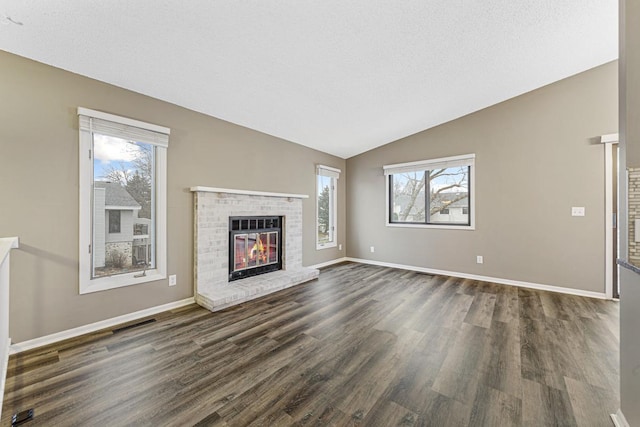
(416, 187)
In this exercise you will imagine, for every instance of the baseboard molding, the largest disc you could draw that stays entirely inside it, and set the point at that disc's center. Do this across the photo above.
(518, 283)
(328, 263)
(619, 420)
(3, 378)
(93, 327)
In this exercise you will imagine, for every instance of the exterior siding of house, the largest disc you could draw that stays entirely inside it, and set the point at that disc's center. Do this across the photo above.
(126, 227)
(454, 216)
(122, 242)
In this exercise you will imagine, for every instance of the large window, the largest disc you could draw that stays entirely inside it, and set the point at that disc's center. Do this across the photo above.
(327, 180)
(122, 201)
(431, 193)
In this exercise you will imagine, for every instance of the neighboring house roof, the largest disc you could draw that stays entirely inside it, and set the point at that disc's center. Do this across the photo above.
(117, 196)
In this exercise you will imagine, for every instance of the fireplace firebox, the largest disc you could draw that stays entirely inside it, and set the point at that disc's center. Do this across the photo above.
(255, 245)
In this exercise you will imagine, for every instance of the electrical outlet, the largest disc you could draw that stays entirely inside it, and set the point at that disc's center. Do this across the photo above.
(173, 280)
(340, 247)
(372, 249)
(479, 259)
(577, 211)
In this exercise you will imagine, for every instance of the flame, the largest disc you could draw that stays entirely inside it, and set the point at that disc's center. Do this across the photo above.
(258, 250)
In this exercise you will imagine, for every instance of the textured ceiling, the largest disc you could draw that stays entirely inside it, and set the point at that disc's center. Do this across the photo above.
(338, 76)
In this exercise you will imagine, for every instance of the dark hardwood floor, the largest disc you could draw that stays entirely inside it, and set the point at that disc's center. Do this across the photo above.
(363, 345)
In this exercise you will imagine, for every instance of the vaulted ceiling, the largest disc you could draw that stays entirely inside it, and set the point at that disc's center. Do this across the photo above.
(342, 77)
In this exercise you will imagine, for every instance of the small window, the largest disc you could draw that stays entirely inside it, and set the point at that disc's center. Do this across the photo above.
(114, 221)
(326, 203)
(122, 201)
(431, 193)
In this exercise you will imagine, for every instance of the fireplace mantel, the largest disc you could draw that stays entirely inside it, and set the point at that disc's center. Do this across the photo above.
(247, 192)
(212, 209)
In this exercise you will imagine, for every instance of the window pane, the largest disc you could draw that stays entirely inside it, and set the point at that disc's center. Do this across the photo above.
(123, 231)
(240, 258)
(273, 247)
(408, 197)
(449, 196)
(114, 221)
(325, 210)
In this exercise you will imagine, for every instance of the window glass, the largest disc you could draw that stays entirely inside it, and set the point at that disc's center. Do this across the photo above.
(408, 197)
(438, 196)
(114, 221)
(326, 210)
(448, 195)
(123, 195)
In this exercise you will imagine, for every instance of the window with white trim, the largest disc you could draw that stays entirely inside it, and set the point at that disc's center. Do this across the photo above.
(326, 206)
(433, 193)
(123, 222)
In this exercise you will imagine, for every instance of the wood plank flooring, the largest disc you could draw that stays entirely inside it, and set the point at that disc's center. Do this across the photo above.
(363, 345)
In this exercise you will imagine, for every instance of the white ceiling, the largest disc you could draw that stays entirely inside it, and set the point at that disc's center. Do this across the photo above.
(342, 77)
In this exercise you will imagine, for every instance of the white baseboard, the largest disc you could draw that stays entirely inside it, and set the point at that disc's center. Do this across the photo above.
(328, 263)
(619, 420)
(518, 283)
(93, 327)
(3, 378)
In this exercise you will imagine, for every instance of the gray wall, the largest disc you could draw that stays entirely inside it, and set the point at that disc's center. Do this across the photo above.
(39, 190)
(537, 155)
(630, 150)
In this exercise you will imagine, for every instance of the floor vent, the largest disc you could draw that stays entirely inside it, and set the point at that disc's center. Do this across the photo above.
(135, 325)
(21, 417)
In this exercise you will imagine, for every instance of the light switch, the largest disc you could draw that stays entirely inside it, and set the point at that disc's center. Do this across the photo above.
(577, 211)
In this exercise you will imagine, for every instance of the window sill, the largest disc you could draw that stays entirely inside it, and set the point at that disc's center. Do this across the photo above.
(436, 226)
(326, 246)
(106, 283)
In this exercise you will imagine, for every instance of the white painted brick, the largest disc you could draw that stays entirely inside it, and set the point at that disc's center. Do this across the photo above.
(211, 216)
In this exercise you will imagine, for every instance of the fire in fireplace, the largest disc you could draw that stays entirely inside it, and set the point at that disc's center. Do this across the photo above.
(255, 245)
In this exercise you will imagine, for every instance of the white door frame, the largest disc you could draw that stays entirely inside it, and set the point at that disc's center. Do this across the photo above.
(608, 141)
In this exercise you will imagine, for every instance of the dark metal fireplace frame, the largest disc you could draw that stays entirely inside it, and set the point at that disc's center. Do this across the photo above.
(248, 225)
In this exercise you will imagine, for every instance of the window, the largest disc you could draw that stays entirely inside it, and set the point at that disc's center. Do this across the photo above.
(431, 193)
(122, 201)
(114, 221)
(326, 201)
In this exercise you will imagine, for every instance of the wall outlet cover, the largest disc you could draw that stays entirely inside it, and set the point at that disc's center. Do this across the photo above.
(173, 280)
(577, 211)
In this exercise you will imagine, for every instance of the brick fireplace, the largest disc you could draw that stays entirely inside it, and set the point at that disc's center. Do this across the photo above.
(214, 211)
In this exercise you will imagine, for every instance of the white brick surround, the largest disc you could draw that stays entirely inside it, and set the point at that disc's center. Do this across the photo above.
(212, 209)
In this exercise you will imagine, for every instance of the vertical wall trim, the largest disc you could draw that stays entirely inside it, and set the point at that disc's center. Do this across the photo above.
(608, 219)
